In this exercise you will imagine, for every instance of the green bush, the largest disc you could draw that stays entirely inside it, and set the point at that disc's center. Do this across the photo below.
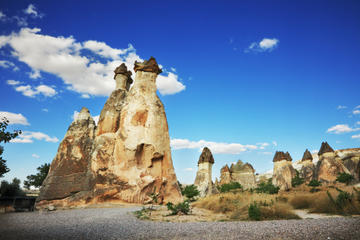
(190, 192)
(267, 187)
(11, 189)
(254, 212)
(297, 180)
(314, 183)
(344, 178)
(183, 207)
(229, 186)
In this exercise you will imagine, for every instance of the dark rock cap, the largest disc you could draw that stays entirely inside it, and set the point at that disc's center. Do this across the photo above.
(325, 147)
(307, 156)
(279, 156)
(225, 168)
(147, 66)
(206, 156)
(122, 69)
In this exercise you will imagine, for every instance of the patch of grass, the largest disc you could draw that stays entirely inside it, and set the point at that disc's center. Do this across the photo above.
(180, 208)
(142, 214)
(254, 212)
(267, 187)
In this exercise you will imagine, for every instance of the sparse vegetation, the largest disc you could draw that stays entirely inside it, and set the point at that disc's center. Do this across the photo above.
(37, 179)
(11, 189)
(227, 187)
(314, 183)
(267, 187)
(345, 178)
(142, 214)
(180, 208)
(254, 212)
(190, 192)
(297, 180)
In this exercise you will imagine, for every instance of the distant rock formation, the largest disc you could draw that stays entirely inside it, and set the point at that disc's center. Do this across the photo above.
(126, 157)
(239, 172)
(329, 165)
(203, 180)
(351, 160)
(69, 176)
(308, 168)
(283, 171)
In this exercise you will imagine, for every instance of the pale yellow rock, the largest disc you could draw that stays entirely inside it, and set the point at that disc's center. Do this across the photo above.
(283, 173)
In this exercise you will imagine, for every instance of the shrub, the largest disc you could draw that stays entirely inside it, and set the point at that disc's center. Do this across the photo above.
(190, 192)
(227, 187)
(297, 180)
(11, 189)
(183, 207)
(254, 212)
(344, 178)
(267, 187)
(314, 183)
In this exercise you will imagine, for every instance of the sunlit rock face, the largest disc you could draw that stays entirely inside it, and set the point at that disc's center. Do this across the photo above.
(203, 180)
(351, 160)
(283, 171)
(329, 165)
(136, 160)
(308, 168)
(69, 176)
(225, 175)
(126, 157)
(239, 172)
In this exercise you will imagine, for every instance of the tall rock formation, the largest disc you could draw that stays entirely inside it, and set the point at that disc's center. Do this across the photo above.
(308, 168)
(283, 171)
(239, 172)
(203, 180)
(126, 157)
(69, 176)
(329, 165)
(351, 160)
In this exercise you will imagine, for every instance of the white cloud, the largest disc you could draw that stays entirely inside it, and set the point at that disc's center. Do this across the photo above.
(358, 122)
(355, 136)
(21, 21)
(35, 74)
(85, 95)
(30, 91)
(12, 82)
(189, 169)
(262, 145)
(341, 107)
(32, 11)
(341, 128)
(173, 69)
(2, 16)
(266, 44)
(45, 110)
(28, 137)
(14, 118)
(314, 151)
(275, 143)
(8, 64)
(215, 147)
(35, 155)
(169, 84)
(358, 106)
(96, 119)
(66, 58)
(356, 112)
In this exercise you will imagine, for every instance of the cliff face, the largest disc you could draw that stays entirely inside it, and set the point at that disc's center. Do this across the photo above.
(203, 180)
(127, 156)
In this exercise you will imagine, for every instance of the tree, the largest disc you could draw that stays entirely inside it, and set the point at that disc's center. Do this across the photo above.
(5, 137)
(345, 178)
(11, 189)
(190, 192)
(38, 179)
(297, 180)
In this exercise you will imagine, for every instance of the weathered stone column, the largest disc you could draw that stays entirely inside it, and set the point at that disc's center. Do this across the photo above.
(283, 171)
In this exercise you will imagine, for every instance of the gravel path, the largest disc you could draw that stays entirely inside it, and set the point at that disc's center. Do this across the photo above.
(119, 223)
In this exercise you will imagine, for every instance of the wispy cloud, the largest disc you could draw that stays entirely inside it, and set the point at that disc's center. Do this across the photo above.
(14, 118)
(355, 136)
(33, 12)
(189, 169)
(341, 107)
(341, 128)
(35, 155)
(266, 44)
(29, 137)
(8, 64)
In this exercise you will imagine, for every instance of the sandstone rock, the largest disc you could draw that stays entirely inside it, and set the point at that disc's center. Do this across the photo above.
(243, 174)
(69, 171)
(351, 160)
(308, 168)
(125, 158)
(307, 156)
(283, 171)
(225, 176)
(329, 165)
(203, 180)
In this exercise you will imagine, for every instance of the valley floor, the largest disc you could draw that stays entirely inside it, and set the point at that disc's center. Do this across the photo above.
(120, 223)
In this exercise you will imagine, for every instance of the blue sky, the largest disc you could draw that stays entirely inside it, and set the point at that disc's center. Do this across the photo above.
(245, 78)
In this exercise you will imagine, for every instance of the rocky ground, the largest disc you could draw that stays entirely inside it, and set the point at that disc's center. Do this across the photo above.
(120, 223)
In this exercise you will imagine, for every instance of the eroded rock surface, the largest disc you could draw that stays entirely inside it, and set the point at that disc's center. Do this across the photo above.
(308, 168)
(351, 160)
(283, 171)
(203, 180)
(239, 172)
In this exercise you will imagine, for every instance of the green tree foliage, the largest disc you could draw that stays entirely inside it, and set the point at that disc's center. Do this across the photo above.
(344, 178)
(11, 189)
(297, 180)
(183, 207)
(267, 187)
(227, 187)
(314, 183)
(5, 137)
(254, 212)
(37, 179)
(190, 192)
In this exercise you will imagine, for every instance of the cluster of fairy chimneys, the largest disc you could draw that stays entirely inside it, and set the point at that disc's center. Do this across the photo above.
(280, 156)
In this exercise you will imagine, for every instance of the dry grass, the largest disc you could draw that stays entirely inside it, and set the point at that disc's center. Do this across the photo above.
(235, 205)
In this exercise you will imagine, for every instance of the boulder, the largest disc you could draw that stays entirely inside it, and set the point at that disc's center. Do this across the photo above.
(203, 180)
(329, 165)
(283, 171)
